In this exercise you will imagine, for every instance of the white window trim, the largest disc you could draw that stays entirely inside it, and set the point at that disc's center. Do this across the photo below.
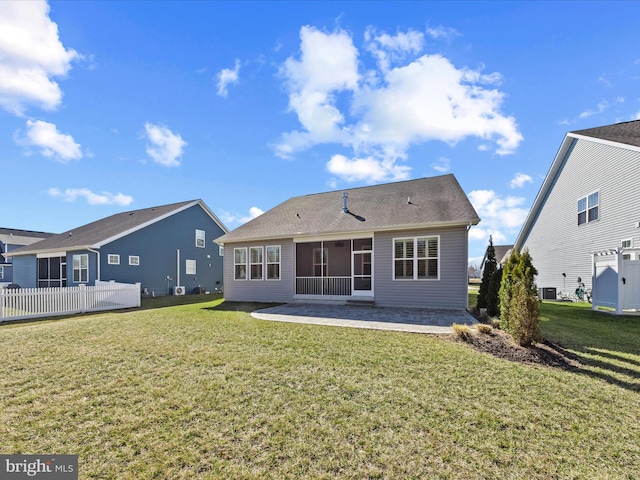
(221, 250)
(415, 259)
(245, 263)
(279, 263)
(190, 267)
(200, 235)
(79, 269)
(136, 262)
(115, 257)
(261, 263)
(587, 208)
(1, 272)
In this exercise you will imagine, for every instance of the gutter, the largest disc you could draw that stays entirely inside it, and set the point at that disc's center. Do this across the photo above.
(97, 252)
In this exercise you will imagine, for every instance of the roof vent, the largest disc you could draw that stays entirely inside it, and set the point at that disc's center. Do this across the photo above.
(345, 196)
(408, 200)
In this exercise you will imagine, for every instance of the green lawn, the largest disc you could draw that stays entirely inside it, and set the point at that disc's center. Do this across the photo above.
(205, 391)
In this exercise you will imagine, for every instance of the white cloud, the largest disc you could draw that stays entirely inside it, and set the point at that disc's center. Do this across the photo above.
(442, 165)
(166, 147)
(30, 54)
(230, 218)
(602, 106)
(519, 180)
(499, 216)
(228, 77)
(389, 109)
(50, 141)
(442, 32)
(104, 198)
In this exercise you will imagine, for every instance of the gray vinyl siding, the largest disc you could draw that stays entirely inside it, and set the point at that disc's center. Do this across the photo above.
(260, 290)
(449, 292)
(556, 242)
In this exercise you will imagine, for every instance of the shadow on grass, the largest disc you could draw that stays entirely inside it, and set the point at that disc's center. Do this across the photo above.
(247, 307)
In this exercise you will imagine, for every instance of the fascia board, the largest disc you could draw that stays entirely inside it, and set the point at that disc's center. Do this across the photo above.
(602, 141)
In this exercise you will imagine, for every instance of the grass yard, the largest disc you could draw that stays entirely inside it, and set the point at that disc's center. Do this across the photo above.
(205, 391)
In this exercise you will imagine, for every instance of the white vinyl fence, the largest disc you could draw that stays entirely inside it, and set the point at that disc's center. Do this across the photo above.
(46, 302)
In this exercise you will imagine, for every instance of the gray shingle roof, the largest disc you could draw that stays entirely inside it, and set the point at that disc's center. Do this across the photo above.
(626, 132)
(24, 233)
(434, 201)
(99, 232)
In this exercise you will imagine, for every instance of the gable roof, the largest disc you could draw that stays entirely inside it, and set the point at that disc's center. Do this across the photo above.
(106, 230)
(622, 135)
(425, 202)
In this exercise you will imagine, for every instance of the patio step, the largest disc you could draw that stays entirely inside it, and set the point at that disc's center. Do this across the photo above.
(360, 303)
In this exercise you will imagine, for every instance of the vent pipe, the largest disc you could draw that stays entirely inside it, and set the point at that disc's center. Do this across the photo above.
(345, 196)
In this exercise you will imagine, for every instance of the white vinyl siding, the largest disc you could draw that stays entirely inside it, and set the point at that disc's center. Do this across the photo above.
(113, 259)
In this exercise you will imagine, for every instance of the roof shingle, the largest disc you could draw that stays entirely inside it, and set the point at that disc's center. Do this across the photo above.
(626, 132)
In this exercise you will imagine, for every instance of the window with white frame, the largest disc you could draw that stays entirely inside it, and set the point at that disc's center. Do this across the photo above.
(200, 238)
(255, 262)
(113, 259)
(134, 260)
(416, 258)
(273, 262)
(588, 208)
(627, 243)
(221, 250)
(190, 267)
(240, 263)
(80, 268)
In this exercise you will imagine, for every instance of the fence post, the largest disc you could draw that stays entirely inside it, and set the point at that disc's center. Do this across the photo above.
(139, 290)
(82, 291)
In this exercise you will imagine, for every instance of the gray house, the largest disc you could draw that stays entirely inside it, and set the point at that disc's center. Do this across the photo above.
(10, 240)
(588, 209)
(168, 249)
(397, 244)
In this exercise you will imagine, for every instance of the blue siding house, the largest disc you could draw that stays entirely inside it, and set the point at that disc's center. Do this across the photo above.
(167, 249)
(10, 240)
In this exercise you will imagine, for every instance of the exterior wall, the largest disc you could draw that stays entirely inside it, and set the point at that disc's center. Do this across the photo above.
(449, 292)
(25, 271)
(156, 245)
(556, 242)
(261, 290)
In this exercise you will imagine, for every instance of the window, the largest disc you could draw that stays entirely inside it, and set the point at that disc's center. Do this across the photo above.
(81, 268)
(240, 263)
(134, 260)
(255, 261)
(627, 243)
(1, 273)
(221, 250)
(113, 259)
(200, 242)
(273, 262)
(190, 267)
(588, 208)
(52, 272)
(416, 258)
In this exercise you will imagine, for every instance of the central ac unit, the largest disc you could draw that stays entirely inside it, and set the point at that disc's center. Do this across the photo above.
(178, 290)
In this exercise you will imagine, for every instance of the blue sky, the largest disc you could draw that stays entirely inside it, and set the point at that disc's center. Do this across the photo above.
(113, 106)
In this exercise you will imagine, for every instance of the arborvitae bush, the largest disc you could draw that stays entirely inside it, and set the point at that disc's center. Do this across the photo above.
(488, 269)
(493, 308)
(519, 303)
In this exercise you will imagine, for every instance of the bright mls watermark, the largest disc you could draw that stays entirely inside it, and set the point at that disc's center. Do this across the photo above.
(50, 467)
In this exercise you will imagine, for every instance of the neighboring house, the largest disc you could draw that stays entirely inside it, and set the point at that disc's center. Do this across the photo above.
(397, 244)
(159, 247)
(502, 253)
(589, 202)
(11, 239)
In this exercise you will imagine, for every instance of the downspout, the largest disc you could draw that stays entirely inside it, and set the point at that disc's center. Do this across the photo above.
(97, 252)
(178, 266)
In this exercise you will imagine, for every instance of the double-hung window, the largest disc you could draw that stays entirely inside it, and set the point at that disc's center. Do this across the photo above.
(200, 238)
(81, 268)
(588, 208)
(255, 260)
(240, 263)
(273, 262)
(416, 258)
